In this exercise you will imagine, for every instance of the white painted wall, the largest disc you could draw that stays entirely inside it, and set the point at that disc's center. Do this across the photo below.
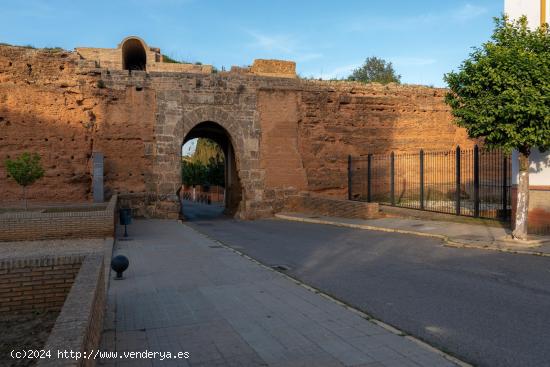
(531, 8)
(539, 169)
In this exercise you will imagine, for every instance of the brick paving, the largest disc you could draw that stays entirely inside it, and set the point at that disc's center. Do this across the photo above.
(185, 292)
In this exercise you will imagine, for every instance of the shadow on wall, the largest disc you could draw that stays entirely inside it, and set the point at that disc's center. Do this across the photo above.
(65, 151)
(65, 142)
(540, 161)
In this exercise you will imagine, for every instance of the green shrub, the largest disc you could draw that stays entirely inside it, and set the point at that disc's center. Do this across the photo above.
(25, 170)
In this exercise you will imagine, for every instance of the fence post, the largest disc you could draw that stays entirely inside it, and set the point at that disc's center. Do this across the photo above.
(458, 180)
(369, 177)
(349, 177)
(505, 187)
(421, 178)
(476, 181)
(392, 177)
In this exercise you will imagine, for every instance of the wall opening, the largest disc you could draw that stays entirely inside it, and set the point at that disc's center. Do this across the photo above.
(209, 175)
(133, 55)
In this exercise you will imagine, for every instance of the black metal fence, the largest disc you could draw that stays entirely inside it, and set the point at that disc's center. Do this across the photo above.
(471, 182)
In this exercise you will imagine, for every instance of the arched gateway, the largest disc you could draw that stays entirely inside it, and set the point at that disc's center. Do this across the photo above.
(239, 138)
(215, 132)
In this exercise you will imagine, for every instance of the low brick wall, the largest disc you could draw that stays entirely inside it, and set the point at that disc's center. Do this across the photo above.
(21, 226)
(30, 284)
(310, 204)
(80, 323)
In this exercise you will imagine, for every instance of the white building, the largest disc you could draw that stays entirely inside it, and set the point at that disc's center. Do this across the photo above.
(537, 13)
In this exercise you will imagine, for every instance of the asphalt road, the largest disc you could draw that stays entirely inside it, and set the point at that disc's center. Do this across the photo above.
(487, 308)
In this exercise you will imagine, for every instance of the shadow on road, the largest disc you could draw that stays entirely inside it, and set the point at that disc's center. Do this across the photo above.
(198, 212)
(471, 303)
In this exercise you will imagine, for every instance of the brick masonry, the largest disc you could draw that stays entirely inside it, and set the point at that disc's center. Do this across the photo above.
(74, 285)
(30, 284)
(288, 134)
(79, 325)
(309, 204)
(37, 225)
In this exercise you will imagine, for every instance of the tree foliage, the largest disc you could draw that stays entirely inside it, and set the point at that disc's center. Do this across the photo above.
(206, 150)
(170, 60)
(375, 70)
(205, 166)
(193, 173)
(25, 170)
(502, 91)
(502, 94)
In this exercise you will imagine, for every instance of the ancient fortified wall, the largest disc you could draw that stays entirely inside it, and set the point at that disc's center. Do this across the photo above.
(288, 135)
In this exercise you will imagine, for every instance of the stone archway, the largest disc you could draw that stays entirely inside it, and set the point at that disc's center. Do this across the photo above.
(235, 151)
(175, 121)
(134, 56)
(215, 132)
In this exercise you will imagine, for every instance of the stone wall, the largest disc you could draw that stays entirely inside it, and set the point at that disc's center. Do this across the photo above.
(112, 58)
(44, 109)
(104, 57)
(341, 119)
(288, 135)
(274, 68)
(50, 105)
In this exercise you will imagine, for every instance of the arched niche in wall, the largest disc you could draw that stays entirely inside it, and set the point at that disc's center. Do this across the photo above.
(133, 54)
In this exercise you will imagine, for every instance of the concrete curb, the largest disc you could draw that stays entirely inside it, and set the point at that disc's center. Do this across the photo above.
(357, 311)
(448, 241)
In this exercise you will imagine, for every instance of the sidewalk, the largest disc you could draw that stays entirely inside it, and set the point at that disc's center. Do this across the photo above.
(454, 234)
(185, 292)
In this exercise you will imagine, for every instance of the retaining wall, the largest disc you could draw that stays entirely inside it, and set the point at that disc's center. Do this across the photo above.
(38, 225)
(36, 284)
(317, 205)
(80, 323)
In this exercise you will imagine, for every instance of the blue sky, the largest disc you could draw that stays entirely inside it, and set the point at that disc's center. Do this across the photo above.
(327, 39)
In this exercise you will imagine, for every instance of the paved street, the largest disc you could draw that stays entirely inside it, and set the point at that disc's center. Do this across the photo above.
(185, 293)
(489, 308)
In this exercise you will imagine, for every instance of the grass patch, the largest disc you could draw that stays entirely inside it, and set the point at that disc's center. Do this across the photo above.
(19, 210)
(54, 209)
(169, 60)
(26, 331)
(73, 209)
(53, 49)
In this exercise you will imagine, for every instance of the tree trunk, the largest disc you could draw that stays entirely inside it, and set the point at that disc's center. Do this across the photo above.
(25, 197)
(522, 207)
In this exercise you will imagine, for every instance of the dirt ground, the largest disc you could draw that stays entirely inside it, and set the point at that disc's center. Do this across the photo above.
(24, 332)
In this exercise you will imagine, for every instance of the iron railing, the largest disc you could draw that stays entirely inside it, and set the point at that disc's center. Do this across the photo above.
(471, 182)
